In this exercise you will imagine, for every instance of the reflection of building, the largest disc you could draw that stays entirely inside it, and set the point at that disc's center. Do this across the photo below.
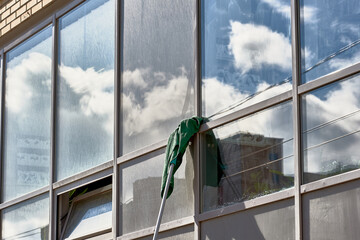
(32, 161)
(146, 200)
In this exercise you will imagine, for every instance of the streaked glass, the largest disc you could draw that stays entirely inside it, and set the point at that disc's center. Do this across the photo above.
(158, 69)
(140, 192)
(89, 216)
(330, 36)
(85, 91)
(28, 220)
(248, 158)
(331, 129)
(332, 213)
(27, 116)
(246, 53)
(271, 221)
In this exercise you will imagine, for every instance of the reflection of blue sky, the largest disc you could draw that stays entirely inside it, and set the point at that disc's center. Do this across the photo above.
(246, 44)
(335, 27)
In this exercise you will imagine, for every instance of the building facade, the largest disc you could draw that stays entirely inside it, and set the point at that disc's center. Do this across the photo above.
(91, 89)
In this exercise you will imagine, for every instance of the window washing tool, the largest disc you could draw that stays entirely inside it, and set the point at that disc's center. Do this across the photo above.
(175, 149)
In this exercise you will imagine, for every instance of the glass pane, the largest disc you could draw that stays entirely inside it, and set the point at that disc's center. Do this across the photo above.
(332, 213)
(183, 233)
(140, 192)
(330, 36)
(89, 216)
(27, 221)
(331, 132)
(271, 221)
(248, 158)
(86, 88)
(158, 69)
(27, 116)
(246, 55)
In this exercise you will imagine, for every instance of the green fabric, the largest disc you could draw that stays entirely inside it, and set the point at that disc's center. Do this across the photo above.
(177, 143)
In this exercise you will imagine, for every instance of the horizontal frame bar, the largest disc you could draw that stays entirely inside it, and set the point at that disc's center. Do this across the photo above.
(330, 78)
(242, 206)
(163, 228)
(247, 111)
(331, 181)
(143, 151)
(62, 187)
(25, 197)
(70, 6)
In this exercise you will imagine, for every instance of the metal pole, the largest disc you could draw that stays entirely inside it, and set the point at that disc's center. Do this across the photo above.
(162, 206)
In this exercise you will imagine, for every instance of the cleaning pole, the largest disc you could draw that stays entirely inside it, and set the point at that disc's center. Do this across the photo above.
(163, 201)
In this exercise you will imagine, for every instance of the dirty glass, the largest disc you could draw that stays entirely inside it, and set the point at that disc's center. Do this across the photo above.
(332, 213)
(246, 53)
(331, 129)
(271, 221)
(158, 69)
(330, 36)
(248, 158)
(140, 192)
(28, 220)
(85, 90)
(27, 116)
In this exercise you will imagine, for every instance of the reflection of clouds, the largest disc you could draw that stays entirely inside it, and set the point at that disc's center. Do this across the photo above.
(213, 88)
(21, 77)
(96, 90)
(280, 7)
(148, 106)
(254, 46)
(338, 102)
(340, 63)
(309, 13)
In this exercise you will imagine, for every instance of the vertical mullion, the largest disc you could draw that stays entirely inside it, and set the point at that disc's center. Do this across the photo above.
(296, 77)
(52, 194)
(2, 104)
(198, 112)
(117, 77)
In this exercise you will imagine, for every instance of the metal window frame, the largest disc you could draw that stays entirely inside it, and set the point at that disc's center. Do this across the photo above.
(111, 168)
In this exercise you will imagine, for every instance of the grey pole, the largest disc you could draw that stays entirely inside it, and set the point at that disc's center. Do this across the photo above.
(162, 206)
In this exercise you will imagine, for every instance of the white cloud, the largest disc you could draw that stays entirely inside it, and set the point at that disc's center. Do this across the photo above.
(95, 89)
(254, 46)
(280, 7)
(20, 80)
(309, 13)
(339, 63)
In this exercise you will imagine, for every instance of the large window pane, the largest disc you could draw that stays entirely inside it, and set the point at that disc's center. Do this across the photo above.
(332, 213)
(271, 221)
(27, 221)
(140, 192)
(331, 129)
(246, 55)
(248, 158)
(27, 116)
(85, 93)
(330, 36)
(158, 69)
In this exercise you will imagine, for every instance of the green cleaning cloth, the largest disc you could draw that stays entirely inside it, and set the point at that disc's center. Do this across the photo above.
(177, 143)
